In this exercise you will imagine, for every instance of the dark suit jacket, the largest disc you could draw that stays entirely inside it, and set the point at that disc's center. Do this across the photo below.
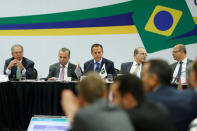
(173, 65)
(54, 71)
(28, 65)
(100, 116)
(109, 65)
(126, 67)
(178, 104)
(146, 117)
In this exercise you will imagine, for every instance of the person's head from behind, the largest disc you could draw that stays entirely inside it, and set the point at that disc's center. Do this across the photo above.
(90, 89)
(97, 51)
(179, 52)
(17, 51)
(194, 74)
(127, 91)
(140, 55)
(64, 56)
(155, 73)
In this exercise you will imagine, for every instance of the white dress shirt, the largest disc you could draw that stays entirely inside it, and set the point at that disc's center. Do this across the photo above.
(183, 72)
(133, 67)
(65, 71)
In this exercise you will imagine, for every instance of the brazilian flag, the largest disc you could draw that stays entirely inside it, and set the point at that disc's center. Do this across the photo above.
(164, 23)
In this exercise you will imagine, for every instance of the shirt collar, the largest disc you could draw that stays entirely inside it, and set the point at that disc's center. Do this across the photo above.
(65, 65)
(184, 60)
(135, 63)
(100, 61)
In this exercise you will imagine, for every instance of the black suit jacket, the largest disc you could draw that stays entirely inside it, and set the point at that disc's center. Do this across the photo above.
(54, 71)
(146, 117)
(109, 65)
(28, 65)
(178, 104)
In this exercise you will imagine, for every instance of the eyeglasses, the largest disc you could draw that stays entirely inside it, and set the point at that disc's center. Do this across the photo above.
(175, 51)
(20, 52)
(143, 54)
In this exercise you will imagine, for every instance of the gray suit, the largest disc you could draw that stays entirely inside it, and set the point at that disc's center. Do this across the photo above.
(54, 71)
(100, 116)
(173, 65)
(126, 67)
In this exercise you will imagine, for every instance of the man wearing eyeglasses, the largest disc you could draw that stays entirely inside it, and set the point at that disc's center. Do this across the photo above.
(18, 66)
(179, 54)
(135, 67)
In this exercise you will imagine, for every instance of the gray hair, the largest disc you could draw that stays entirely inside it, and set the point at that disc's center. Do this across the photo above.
(16, 45)
(64, 50)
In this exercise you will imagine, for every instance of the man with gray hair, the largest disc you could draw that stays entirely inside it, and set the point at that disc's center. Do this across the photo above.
(63, 69)
(135, 67)
(91, 112)
(18, 66)
(179, 54)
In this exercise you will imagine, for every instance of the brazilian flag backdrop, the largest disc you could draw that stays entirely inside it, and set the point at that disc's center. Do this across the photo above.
(164, 23)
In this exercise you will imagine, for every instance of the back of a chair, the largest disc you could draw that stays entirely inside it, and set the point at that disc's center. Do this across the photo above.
(35, 74)
(193, 125)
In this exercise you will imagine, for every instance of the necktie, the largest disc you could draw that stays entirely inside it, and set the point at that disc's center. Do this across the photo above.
(179, 72)
(136, 69)
(18, 73)
(62, 73)
(97, 67)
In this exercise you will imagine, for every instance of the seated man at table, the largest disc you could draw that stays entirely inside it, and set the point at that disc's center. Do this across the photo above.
(63, 69)
(135, 67)
(98, 61)
(91, 112)
(128, 92)
(18, 66)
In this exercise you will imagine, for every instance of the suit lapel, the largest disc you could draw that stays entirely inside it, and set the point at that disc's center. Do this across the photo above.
(129, 67)
(69, 70)
(57, 70)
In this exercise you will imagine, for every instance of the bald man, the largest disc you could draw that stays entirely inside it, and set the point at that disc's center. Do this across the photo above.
(179, 54)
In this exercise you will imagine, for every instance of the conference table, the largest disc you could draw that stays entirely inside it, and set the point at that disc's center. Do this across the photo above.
(19, 101)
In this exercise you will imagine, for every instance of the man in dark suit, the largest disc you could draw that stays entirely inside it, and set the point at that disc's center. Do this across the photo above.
(179, 68)
(156, 76)
(135, 67)
(18, 66)
(194, 84)
(128, 92)
(63, 69)
(91, 112)
(98, 61)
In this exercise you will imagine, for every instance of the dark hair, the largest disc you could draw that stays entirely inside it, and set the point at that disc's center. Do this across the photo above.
(64, 50)
(162, 70)
(182, 48)
(130, 83)
(96, 45)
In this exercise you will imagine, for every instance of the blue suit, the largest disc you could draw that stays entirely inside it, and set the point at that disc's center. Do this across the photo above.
(109, 65)
(28, 65)
(178, 104)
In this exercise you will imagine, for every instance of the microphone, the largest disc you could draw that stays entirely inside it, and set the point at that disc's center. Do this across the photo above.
(87, 69)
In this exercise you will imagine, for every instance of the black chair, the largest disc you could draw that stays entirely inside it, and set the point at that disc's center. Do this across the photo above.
(35, 74)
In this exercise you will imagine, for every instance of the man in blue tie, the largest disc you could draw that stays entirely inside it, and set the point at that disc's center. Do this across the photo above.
(98, 61)
(18, 66)
(179, 68)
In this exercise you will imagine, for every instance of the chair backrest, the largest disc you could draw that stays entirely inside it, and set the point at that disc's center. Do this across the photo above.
(117, 71)
(35, 74)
